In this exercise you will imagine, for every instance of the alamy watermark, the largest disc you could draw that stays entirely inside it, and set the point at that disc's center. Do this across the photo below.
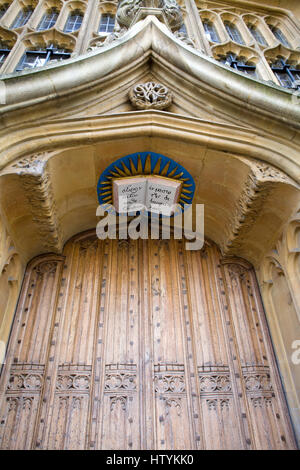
(153, 222)
(296, 354)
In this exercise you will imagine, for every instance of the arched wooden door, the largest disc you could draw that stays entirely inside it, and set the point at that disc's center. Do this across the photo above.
(141, 345)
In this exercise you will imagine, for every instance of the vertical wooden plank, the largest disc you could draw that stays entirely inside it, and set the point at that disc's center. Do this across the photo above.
(24, 375)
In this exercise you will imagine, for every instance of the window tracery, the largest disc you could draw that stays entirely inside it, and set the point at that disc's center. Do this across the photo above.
(3, 9)
(233, 32)
(74, 21)
(48, 19)
(220, 24)
(239, 63)
(22, 17)
(210, 30)
(42, 56)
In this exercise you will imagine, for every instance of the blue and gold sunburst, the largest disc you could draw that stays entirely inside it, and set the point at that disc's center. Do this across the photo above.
(145, 164)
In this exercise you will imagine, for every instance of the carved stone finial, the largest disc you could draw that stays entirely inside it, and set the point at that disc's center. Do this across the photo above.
(150, 95)
(130, 11)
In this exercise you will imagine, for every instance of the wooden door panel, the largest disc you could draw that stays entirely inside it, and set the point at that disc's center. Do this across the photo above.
(140, 344)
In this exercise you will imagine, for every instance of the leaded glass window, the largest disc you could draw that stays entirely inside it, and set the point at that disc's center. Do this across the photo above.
(107, 23)
(74, 21)
(239, 63)
(279, 35)
(210, 31)
(4, 51)
(48, 20)
(22, 17)
(288, 75)
(257, 35)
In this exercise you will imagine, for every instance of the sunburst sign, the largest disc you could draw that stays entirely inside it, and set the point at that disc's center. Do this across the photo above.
(146, 179)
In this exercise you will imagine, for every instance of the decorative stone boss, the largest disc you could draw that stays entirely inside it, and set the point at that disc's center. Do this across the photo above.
(150, 95)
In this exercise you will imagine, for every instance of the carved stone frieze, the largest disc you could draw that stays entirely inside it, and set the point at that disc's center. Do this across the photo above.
(150, 95)
(269, 172)
(39, 193)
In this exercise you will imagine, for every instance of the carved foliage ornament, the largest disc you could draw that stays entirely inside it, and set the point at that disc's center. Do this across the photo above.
(150, 95)
(25, 381)
(120, 381)
(46, 267)
(215, 383)
(169, 383)
(258, 382)
(73, 382)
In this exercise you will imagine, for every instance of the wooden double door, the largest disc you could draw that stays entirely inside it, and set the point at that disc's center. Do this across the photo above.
(141, 344)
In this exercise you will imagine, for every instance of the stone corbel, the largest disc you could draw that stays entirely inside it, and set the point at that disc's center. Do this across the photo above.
(260, 182)
(37, 185)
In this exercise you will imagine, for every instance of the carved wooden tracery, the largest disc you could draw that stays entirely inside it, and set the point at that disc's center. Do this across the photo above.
(99, 359)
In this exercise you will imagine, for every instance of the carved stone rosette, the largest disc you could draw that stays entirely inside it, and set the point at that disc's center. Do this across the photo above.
(150, 95)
